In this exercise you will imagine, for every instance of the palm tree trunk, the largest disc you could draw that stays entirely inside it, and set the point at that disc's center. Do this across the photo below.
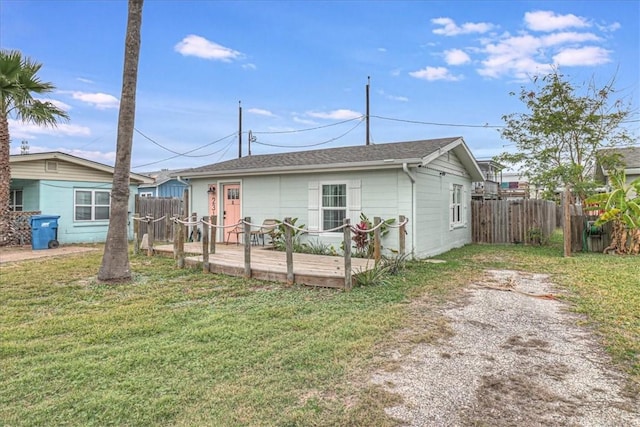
(5, 182)
(115, 260)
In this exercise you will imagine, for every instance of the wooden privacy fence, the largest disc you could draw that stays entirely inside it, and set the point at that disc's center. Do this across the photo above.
(586, 236)
(529, 221)
(161, 209)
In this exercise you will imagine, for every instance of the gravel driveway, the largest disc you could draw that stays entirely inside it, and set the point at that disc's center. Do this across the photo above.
(513, 359)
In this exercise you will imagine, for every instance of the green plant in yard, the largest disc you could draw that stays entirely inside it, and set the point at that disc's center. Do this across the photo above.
(278, 236)
(376, 276)
(316, 247)
(395, 264)
(622, 207)
(364, 240)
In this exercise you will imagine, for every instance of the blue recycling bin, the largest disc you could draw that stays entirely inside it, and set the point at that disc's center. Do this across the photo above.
(44, 231)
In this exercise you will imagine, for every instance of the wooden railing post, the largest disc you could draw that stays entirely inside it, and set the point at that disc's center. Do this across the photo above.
(194, 228)
(181, 235)
(376, 239)
(151, 236)
(214, 232)
(247, 247)
(136, 233)
(402, 232)
(205, 244)
(347, 255)
(288, 240)
(176, 237)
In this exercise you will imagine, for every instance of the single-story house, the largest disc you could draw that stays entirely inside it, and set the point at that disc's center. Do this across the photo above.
(429, 182)
(629, 157)
(76, 189)
(163, 185)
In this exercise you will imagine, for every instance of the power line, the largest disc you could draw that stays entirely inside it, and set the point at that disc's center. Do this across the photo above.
(488, 126)
(309, 129)
(311, 145)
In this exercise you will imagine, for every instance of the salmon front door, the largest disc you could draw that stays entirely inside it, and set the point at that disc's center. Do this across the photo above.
(231, 194)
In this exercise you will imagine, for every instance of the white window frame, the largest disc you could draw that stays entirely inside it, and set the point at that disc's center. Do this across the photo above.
(146, 194)
(92, 205)
(13, 206)
(323, 208)
(457, 211)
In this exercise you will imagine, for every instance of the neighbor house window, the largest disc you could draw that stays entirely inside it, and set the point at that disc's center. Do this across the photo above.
(456, 218)
(146, 194)
(15, 200)
(334, 205)
(91, 205)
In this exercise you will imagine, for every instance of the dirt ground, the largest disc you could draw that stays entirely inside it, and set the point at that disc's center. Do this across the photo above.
(511, 355)
(22, 253)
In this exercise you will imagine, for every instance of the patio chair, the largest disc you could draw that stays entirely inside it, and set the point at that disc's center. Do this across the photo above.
(237, 230)
(268, 227)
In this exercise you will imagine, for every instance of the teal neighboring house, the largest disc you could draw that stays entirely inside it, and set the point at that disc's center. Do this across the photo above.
(163, 185)
(76, 189)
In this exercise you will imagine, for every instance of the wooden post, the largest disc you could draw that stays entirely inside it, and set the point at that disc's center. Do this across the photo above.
(167, 228)
(136, 233)
(247, 247)
(402, 233)
(194, 228)
(150, 233)
(214, 232)
(176, 237)
(376, 239)
(347, 255)
(566, 228)
(185, 204)
(180, 239)
(288, 239)
(205, 244)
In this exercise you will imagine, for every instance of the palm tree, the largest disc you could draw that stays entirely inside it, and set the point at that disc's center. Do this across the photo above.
(115, 260)
(18, 84)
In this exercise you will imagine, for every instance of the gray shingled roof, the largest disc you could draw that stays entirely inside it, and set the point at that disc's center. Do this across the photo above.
(398, 151)
(630, 156)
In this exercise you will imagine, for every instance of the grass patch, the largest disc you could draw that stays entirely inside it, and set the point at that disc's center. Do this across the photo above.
(181, 347)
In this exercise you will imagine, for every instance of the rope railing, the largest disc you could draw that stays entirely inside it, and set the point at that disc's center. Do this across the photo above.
(355, 229)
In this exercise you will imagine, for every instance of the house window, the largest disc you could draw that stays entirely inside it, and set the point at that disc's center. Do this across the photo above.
(15, 200)
(334, 205)
(91, 205)
(457, 218)
(146, 194)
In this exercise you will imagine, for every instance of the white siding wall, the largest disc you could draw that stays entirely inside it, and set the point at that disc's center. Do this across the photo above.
(433, 234)
(288, 196)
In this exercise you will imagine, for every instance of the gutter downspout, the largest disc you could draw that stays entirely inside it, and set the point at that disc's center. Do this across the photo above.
(405, 169)
(190, 207)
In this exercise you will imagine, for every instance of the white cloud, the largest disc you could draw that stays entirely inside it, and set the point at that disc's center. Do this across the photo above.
(341, 114)
(21, 130)
(101, 101)
(434, 73)
(393, 97)
(588, 55)
(382, 49)
(456, 57)
(200, 47)
(568, 37)
(450, 28)
(260, 112)
(544, 20)
(302, 121)
(610, 27)
(61, 105)
(83, 80)
(249, 66)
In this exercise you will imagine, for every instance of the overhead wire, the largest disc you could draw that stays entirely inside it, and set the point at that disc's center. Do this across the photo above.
(311, 145)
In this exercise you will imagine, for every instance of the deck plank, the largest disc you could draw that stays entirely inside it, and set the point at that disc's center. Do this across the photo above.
(268, 264)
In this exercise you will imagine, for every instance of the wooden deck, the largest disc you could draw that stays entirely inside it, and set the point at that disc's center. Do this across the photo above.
(268, 264)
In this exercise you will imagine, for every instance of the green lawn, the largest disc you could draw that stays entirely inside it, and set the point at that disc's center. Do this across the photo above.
(179, 347)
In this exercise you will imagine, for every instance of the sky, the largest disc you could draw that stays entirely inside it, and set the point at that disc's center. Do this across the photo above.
(300, 69)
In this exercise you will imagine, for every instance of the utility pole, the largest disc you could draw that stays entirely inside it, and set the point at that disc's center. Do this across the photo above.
(250, 139)
(367, 113)
(239, 129)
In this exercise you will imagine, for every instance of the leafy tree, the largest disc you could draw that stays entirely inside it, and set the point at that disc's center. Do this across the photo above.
(561, 137)
(115, 260)
(19, 83)
(621, 206)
